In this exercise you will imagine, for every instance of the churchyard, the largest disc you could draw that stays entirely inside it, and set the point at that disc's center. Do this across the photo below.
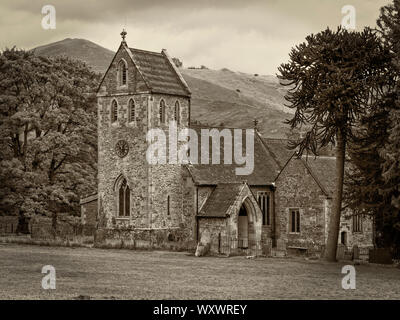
(89, 273)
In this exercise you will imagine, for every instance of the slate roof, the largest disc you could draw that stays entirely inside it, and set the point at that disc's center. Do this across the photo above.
(219, 201)
(265, 167)
(324, 171)
(159, 72)
(279, 150)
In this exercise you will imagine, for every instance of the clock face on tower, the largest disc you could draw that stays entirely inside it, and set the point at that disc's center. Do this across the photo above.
(122, 148)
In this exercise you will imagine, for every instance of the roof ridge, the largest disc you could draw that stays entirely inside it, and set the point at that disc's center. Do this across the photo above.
(268, 149)
(217, 127)
(146, 51)
(313, 174)
(179, 76)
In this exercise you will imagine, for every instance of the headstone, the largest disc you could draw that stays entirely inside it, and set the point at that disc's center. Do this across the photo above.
(203, 247)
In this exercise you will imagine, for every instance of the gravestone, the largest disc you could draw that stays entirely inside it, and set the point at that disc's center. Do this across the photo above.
(203, 247)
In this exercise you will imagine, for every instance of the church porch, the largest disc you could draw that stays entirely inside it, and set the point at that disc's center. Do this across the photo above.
(231, 221)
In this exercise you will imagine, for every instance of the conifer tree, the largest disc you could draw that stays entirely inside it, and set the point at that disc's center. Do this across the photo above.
(332, 78)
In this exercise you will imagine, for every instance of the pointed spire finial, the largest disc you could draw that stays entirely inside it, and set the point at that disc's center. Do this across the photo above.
(123, 35)
(255, 121)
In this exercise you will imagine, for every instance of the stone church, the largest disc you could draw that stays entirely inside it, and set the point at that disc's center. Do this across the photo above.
(282, 206)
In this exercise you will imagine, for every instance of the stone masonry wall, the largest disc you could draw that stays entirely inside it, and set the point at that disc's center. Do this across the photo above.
(363, 238)
(150, 185)
(166, 179)
(218, 230)
(297, 189)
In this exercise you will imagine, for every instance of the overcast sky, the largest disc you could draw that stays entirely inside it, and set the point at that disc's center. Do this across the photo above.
(249, 36)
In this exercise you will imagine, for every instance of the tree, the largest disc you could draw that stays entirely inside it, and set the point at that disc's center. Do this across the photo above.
(372, 182)
(389, 28)
(47, 133)
(332, 78)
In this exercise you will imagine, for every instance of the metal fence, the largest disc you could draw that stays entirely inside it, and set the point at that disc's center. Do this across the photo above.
(244, 246)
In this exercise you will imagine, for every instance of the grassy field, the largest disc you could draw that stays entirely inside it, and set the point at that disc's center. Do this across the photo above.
(125, 274)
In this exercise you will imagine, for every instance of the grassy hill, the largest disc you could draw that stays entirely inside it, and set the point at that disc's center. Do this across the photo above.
(94, 55)
(218, 96)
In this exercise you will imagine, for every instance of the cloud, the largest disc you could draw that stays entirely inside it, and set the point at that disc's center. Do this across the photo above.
(250, 36)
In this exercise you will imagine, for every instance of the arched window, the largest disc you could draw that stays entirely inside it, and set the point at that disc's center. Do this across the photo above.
(162, 111)
(124, 199)
(122, 73)
(114, 111)
(132, 111)
(177, 112)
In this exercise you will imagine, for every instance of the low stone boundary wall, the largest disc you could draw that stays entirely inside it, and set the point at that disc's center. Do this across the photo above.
(168, 238)
(40, 228)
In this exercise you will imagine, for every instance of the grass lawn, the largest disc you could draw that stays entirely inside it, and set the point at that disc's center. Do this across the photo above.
(126, 274)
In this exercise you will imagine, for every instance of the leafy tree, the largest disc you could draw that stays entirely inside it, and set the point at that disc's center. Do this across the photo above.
(47, 132)
(332, 77)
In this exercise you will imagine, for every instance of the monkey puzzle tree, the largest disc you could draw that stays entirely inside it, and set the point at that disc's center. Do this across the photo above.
(332, 78)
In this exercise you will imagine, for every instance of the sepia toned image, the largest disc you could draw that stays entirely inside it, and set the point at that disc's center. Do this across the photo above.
(182, 151)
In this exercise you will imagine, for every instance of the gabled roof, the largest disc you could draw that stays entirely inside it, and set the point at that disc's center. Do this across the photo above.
(159, 72)
(220, 199)
(265, 167)
(323, 170)
(279, 150)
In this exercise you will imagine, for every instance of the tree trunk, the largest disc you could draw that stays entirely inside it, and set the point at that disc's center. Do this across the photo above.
(54, 224)
(23, 224)
(334, 220)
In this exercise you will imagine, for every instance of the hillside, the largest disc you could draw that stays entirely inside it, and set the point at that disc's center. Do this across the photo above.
(218, 96)
(94, 55)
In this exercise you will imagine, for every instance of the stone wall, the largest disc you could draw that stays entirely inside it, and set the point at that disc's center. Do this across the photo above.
(219, 232)
(189, 202)
(150, 185)
(363, 238)
(144, 238)
(297, 189)
(166, 179)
